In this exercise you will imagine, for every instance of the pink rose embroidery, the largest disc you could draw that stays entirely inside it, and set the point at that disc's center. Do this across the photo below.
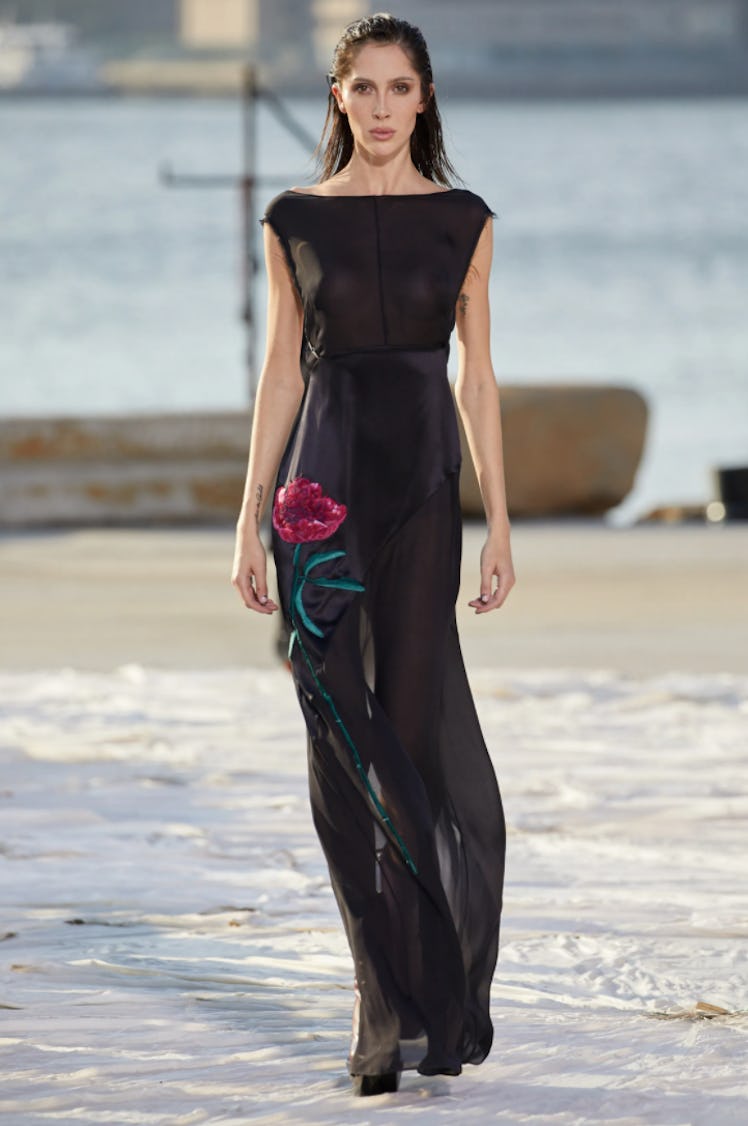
(302, 513)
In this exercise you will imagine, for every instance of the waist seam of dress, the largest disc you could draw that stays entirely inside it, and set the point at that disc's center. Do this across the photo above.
(378, 348)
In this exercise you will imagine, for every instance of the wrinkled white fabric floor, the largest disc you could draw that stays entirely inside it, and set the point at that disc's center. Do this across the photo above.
(171, 950)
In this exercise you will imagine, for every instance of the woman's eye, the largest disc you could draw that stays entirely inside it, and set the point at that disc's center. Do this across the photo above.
(361, 87)
(402, 88)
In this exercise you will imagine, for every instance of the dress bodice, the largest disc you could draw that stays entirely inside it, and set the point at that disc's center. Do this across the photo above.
(378, 272)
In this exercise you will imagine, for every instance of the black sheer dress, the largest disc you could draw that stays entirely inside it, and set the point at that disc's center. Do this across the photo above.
(367, 540)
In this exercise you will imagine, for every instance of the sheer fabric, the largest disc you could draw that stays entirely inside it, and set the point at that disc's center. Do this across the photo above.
(404, 797)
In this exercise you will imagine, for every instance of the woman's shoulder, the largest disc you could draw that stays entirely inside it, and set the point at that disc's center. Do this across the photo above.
(284, 212)
(290, 207)
(473, 201)
(277, 204)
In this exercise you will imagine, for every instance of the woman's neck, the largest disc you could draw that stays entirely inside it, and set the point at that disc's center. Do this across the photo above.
(398, 176)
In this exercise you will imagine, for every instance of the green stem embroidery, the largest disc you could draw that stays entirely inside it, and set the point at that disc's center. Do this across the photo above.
(296, 602)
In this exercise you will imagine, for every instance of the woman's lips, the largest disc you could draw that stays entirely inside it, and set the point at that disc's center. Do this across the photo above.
(382, 134)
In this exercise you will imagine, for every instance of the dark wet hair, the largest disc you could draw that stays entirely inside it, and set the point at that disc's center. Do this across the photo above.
(426, 143)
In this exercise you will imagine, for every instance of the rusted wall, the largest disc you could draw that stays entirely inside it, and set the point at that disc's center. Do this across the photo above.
(568, 449)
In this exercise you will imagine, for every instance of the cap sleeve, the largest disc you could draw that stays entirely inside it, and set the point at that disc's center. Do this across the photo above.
(276, 217)
(478, 213)
(486, 209)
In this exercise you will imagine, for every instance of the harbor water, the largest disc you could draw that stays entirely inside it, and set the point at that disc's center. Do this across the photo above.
(621, 256)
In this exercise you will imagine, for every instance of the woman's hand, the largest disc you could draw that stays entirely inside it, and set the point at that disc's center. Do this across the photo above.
(249, 573)
(495, 560)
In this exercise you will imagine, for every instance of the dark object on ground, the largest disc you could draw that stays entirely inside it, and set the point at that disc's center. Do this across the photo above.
(376, 1084)
(732, 490)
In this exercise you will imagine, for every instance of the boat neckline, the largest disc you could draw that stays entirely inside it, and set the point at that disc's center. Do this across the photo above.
(372, 195)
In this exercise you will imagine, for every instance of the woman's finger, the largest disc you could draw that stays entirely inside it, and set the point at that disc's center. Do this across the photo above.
(492, 599)
(484, 602)
(251, 597)
(259, 573)
(260, 589)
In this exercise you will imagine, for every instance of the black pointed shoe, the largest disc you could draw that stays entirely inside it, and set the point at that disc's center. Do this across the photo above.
(376, 1084)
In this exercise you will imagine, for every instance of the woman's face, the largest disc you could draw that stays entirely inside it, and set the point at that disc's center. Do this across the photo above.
(381, 97)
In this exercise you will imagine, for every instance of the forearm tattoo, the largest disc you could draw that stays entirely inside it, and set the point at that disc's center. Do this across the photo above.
(463, 303)
(258, 499)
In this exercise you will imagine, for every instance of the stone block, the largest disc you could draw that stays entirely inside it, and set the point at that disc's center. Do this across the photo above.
(569, 449)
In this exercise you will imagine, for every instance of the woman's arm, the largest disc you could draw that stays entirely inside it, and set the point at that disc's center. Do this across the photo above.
(279, 395)
(477, 397)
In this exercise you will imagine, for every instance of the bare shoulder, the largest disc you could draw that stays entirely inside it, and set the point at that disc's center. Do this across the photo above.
(326, 187)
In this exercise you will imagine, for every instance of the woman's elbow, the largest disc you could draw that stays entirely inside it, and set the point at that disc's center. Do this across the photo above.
(476, 383)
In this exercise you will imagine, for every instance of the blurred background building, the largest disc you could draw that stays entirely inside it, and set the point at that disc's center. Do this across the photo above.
(108, 24)
(506, 46)
(496, 47)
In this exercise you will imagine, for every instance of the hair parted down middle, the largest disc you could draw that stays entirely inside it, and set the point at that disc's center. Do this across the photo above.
(426, 143)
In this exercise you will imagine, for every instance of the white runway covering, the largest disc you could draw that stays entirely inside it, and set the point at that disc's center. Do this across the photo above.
(172, 953)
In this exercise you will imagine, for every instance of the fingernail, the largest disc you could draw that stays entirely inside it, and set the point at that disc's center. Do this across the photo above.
(263, 599)
(484, 598)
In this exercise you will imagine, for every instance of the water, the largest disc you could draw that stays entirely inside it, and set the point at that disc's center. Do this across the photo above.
(621, 255)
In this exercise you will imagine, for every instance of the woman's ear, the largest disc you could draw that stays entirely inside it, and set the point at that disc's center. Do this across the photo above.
(338, 96)
(425, 101)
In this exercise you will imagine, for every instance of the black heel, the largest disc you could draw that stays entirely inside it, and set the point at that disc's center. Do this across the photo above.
(376, 1084)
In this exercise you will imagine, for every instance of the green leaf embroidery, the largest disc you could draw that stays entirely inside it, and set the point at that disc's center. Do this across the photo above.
(321, 557)
(303, 614)
(338, 583)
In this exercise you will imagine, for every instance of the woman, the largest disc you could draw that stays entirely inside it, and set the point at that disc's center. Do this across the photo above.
(368, 272)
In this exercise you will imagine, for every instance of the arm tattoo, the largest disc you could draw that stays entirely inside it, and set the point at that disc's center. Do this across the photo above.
(463, 303)
(258, 498)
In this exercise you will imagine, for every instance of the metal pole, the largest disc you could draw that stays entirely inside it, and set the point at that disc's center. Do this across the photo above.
(248, 182)
(251, 92)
